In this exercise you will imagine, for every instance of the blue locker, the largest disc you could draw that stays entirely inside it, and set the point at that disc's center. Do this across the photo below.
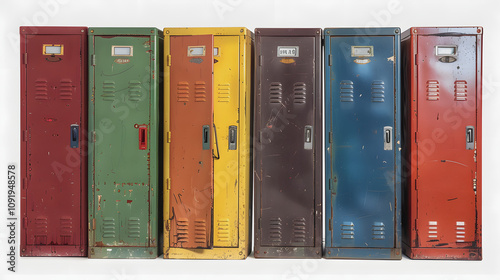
(363, 143)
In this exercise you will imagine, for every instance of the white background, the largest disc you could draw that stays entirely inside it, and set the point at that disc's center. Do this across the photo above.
(252, 14)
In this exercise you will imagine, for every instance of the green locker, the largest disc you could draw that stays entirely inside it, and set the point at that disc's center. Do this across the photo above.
(123, 142)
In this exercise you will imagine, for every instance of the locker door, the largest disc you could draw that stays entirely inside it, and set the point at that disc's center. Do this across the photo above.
(54, 105)
(362, 117)
(121, 154)
(226, 108)
(191, 156)
(446, 214)
(286, 133)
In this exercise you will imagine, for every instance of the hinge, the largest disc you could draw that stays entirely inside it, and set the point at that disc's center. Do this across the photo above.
(168, 225)
(260, 223)
(260, 136)
(330, 137)
(25, 135)
(416, 136)
(92, 59)
(474, 182)
(330, 184)
(260, 60)
(330, 226)
(93, 223)
(25, 222)
(475, 155)
(25, 58)
(93, 136)
(416, 58)
(167, 183)
(415, 183)
(169, 136)
(25, 183)
(330, 60)
(169, 60)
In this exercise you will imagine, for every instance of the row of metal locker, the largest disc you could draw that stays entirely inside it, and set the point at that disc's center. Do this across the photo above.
(137, 143)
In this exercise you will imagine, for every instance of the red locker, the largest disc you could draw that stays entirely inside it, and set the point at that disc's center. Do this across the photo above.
(53, 146)
(442, 138)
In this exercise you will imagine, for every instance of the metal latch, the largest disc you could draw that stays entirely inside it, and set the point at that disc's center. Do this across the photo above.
(206, 137)
(469, 137)
(387, 138)
(308, 137)
(232, 137)
(143, 137)
(74, 136)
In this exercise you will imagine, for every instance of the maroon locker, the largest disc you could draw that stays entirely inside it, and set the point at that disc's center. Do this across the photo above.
(53, 146)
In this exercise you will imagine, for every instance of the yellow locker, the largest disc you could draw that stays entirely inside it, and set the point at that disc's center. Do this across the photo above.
(230, 142)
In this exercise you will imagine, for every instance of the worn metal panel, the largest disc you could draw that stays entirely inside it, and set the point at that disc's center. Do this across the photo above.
(123, 142)
(53, 149)
(363, 145)
(191, 144)
(444, 95)
(287, 136)
(231, 103)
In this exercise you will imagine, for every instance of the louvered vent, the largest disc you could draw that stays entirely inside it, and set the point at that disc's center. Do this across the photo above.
(66, 224)
(347, 230)
(461, 90)
(200, 231)
(378, 91)
(183, 92)
(41, 230)
(182, 230)
(275, 92)
(299, 230)
(432, 90)
(108, 227)
(66, 89)
(223, 230)
(134, 227)
(223, 91)
(108, 90)
(299, 93)
(378, 231)
(460, 231)
(346, 91)
(200, 91)
(41, 90)
(433, 229)
(135, 90)
(275, 230)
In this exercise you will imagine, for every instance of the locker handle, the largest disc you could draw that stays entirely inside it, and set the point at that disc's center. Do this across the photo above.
(232, 137)
(388, 138)
(216, 144)
(74, 128)
(308, 137)
(206, 137)
(469, 137)
(143, 137)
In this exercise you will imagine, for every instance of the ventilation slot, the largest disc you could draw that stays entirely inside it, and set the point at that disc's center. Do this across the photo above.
(378, 91)
(108, 228)
(134, 90)
(347, 230)
(66, 90)
(432, 90)
(223, 91)
(275, 92)
(183, 92)
(299, 93)
(433, 229)
(223, 230)
(182, 231)
(200, 231)
(134, 227)
(108, 89)
(460, 232)
(41, 92)
(299, 230)
(275, 230)
(346, 91)
(40, 230)
(66, 230)
(461, 90)
(200, 93)
(378, 231)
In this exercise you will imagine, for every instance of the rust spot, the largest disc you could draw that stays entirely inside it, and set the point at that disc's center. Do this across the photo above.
(129, 201)
(287, 60)
(99, 244)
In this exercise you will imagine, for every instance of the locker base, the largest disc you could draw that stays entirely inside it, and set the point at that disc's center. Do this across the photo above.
(123, 252)
(206, 254)
(53, 251)
(363, 253)
(443, 253)
(288, 252)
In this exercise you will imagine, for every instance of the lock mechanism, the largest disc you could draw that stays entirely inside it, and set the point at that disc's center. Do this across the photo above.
(232, 137)
(308, 137)
(74, 128)
(388, 138)
(469, 137)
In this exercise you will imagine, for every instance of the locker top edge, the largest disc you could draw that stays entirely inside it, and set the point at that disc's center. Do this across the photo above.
(443, 31)
(48, 30)
(286, 32)
(363, 31)
(124, 31)
(223, 31)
